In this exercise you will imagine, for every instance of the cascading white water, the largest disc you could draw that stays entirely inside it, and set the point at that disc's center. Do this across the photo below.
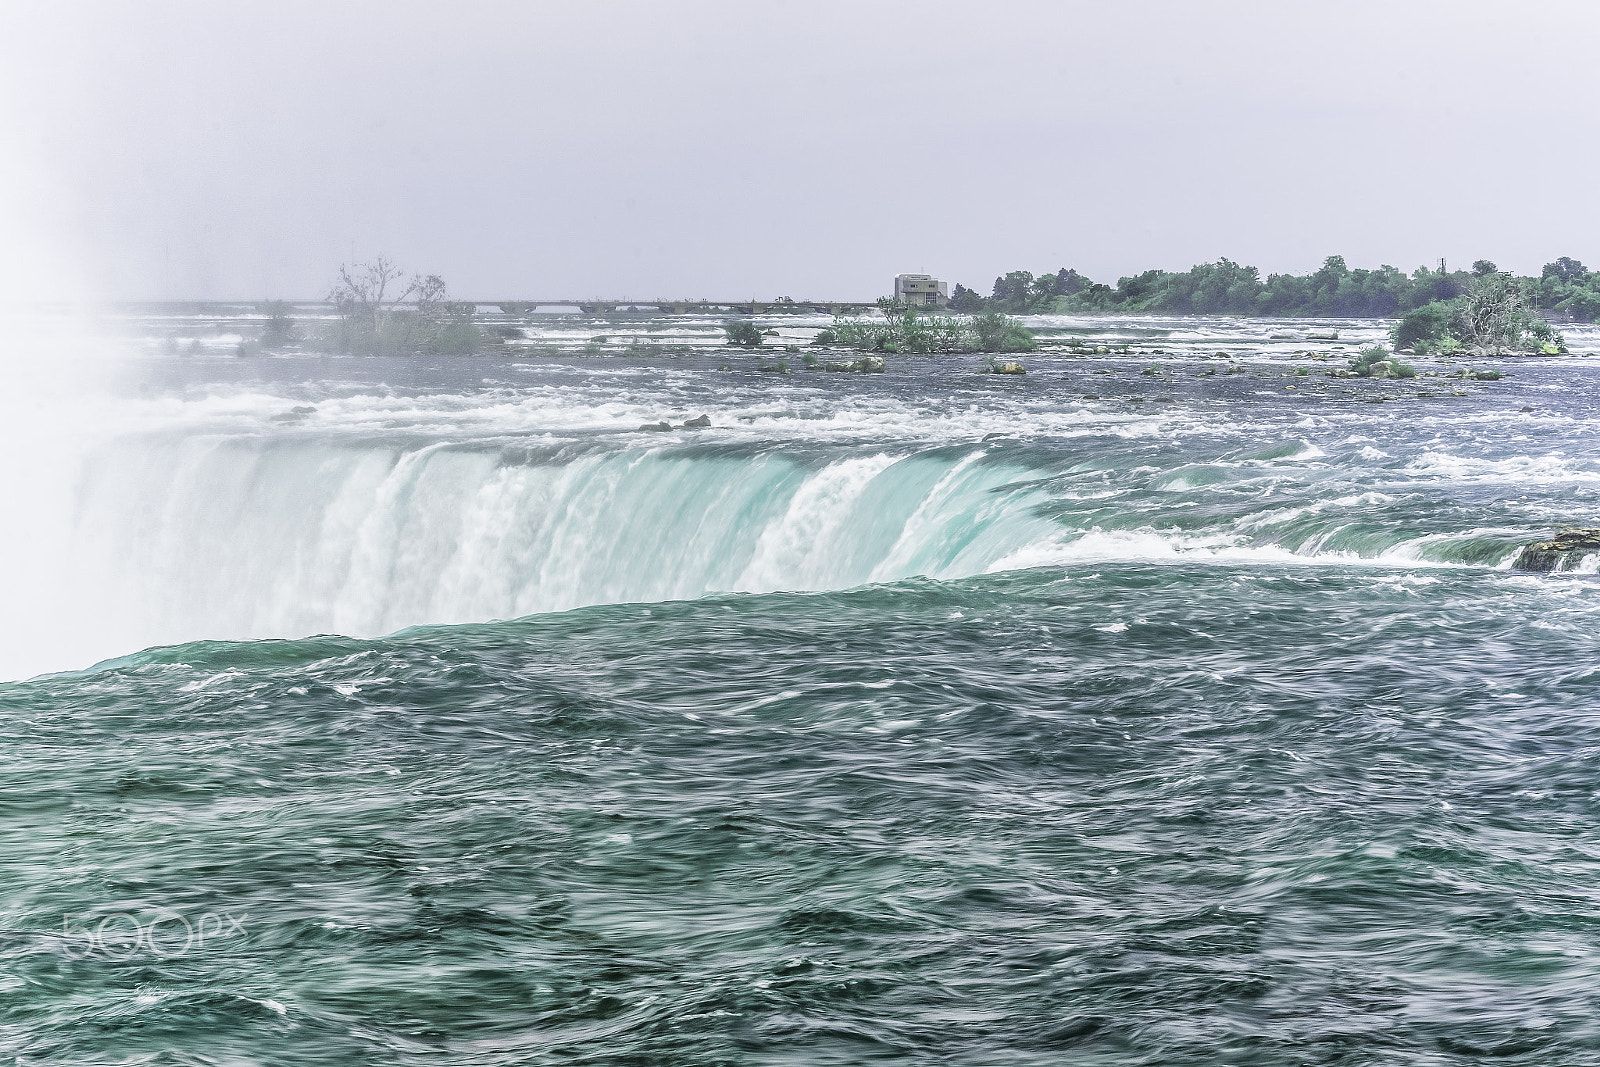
(159, 489)
(248, 537)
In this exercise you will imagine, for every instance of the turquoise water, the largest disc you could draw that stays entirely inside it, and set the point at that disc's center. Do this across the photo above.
(921, 718)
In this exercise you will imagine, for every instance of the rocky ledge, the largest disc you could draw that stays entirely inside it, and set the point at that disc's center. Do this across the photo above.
(1562, 553)
(864, 365)
(702, 423)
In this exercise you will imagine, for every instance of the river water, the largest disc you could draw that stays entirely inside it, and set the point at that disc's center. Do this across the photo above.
(1154, 707)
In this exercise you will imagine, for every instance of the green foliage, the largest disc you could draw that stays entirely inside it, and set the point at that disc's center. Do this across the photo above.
(904, 330)
(1543, 338)
(743, 333)
(1376, 362)
(826, 336)
(856, 334)
(1564, 269)
(965, 301)
(1013, 291)
(996, 332)
(1019, 292)
(1427, 328)
(1493, 316)
(1229, 288)
(1568, 286)
(1581, 304)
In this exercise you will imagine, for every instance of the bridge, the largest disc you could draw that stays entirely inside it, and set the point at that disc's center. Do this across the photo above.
(692, 307)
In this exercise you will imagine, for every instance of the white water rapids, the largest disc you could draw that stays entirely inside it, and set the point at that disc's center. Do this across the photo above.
(181, 493)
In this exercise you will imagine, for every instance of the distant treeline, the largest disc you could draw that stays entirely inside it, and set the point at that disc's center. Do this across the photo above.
(1229, 288)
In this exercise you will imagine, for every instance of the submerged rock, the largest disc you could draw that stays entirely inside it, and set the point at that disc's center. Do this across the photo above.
(703, 422)
(655, 427)
(1322, 335)
(1563, 553)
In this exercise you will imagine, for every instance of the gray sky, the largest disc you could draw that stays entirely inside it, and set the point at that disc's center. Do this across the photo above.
(812, 148)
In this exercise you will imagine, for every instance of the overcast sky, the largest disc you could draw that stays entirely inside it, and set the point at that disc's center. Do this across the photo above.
(813, 149)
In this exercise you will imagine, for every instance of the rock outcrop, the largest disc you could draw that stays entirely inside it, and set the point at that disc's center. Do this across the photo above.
(702, 423)
(1564, 552)
(864, 365)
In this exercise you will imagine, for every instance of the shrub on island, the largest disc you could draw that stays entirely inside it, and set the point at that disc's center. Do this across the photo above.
(383, 311)
(904, 330)
(1002, 333)
(1494, 317)
(743, 333)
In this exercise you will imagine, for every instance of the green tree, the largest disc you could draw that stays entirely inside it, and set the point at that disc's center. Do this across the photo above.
(744, 333)
(1565, 269)
(1013, 291)
(1069, 283)
(1427, 329)
(965, 300)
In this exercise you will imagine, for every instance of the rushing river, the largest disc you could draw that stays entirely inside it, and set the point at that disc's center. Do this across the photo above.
(1154, 707)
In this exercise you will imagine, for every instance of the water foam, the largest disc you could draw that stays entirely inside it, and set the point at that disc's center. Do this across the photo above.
(230, 537)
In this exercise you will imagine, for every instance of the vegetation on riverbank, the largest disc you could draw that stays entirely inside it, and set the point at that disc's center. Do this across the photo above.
(1228, 288)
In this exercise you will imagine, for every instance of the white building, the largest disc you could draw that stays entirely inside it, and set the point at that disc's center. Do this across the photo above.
(920, 290)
